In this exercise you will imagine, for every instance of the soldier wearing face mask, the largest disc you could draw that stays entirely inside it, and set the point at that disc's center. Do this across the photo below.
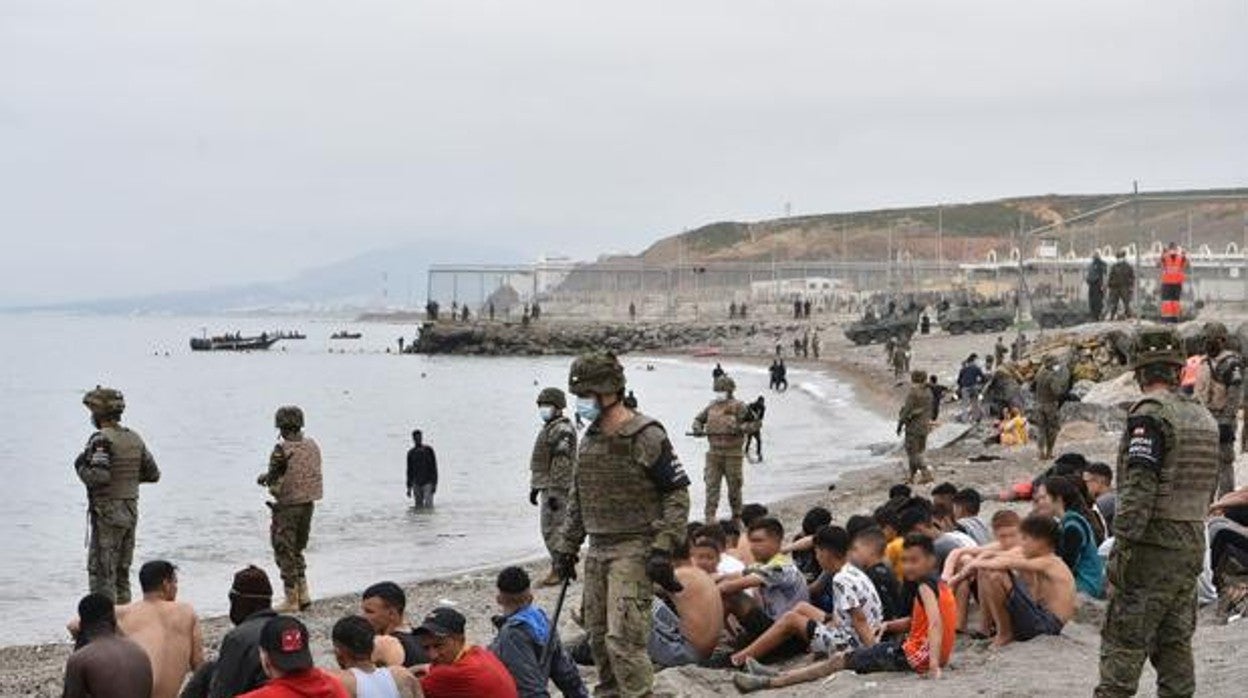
(630, 498)
(550, 480)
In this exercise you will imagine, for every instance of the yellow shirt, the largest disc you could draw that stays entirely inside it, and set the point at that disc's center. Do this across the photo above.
(892, 552)
(1014, 432)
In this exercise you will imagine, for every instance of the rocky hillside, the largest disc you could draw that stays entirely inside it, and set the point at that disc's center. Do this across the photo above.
(969, 230)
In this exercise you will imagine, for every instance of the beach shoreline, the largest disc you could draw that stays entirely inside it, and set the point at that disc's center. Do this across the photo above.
(1020, 669)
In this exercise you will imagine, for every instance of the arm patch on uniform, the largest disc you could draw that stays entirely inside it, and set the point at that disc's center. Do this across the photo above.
(564, 443)
(666, 472)
(1146, 442)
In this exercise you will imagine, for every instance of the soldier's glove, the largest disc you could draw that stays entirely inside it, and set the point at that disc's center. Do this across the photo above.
(565, 565)
(409, 492)
(659, 570)
(533, 495)
(263, 480)
(899, 426)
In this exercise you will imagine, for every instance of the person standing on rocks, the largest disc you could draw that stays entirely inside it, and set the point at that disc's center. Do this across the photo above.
(1121, 286)
(630, 494)
(113, 464)
(1222, 394)
(1000, 351)
(915, 418)
(1052, 382)
(725, 423)
(1167, 471)
(1095, 279)
(551, 466)
(294, 481)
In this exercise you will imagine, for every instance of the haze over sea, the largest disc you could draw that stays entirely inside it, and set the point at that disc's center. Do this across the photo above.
(208, 417)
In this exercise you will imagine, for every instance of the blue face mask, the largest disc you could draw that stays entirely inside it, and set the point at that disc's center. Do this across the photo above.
(546, 412)
(588, 409)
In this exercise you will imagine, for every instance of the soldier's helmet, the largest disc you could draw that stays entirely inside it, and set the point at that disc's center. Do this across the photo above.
(724, 384)
(1157, 345)
(597, 373)
(288, 418)
(105, 402)
(1216, 331)
(552, 396)
(918, 376)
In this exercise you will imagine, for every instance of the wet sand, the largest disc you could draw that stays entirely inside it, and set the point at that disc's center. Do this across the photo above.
(1046, 666)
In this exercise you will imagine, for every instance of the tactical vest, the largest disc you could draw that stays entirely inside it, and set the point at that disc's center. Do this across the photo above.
(1051, 385)
(302, 483)
(615, 492)
(541, 461)
(126, 462)
(918, 417)
(1189, 469)
(723, 426)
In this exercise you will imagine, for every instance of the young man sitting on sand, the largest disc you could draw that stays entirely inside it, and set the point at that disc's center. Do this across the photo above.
(686, 625)
(1005, 529)
(854, 622)
(706, 551)
(1029, 591)
(779, 583)
(866, 552)
(929, 633)
(383, 605)
(353, 650)
(167, 629)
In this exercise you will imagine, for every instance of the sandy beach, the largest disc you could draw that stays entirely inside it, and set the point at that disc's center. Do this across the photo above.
(1046, 666)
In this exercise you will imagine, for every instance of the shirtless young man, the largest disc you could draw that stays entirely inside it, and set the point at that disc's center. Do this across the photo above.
(353, 650)
(104, 664)
(166, 629)
(687, 633)
(1029, 591)
(1005, 532)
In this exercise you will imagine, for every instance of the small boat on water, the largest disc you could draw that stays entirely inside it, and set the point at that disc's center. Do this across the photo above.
(233, 342)
(346, 335)
(291, 335)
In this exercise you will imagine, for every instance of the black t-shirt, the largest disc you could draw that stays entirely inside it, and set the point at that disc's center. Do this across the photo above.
(413, 652)
(885, 583)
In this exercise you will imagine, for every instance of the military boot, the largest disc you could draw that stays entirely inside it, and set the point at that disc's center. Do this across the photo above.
(291, 604)
(552, 579)
(305, 597)
(925, 476)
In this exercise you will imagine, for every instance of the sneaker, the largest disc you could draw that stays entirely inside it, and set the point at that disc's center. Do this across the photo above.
(748, 683)
(757, 668)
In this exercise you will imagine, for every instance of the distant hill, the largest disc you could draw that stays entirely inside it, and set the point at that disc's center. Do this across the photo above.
(969, 230)
(370, 281)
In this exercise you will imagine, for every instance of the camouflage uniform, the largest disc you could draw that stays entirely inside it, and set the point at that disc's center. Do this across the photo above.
(1223, 395)
(294, 481)
(1052, 383)
(725, 423)
(630, 495)
(1167, 466)
(915, 418)
(1121, 287)
(551, 466)
(113, 463)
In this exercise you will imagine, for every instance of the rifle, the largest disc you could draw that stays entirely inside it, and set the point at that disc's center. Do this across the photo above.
(548, 649)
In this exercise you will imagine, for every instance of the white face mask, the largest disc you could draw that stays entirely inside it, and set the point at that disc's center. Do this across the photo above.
(546, 412)
(721, 394)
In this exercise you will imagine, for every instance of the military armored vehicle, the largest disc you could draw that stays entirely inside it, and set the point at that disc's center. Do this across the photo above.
(1059, 313)
(879, 329)
(962, 319)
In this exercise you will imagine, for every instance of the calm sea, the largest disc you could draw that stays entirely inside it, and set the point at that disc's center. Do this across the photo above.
(207, 417)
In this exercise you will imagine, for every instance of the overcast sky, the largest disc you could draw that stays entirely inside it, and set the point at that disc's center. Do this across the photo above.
(170, 144)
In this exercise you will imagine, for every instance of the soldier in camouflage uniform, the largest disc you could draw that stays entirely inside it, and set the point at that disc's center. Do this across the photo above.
(551, 466)
(1121, 286)
(1223, 394)
(725, 423)
(1167, 468)
(294, 481)
(630, 495)
(915, 418)
(112, 465)
(1052, 382)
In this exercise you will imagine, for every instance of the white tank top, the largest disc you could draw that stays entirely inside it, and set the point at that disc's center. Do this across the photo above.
(378, 683)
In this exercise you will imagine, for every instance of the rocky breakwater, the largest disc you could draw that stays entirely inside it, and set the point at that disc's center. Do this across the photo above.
(539, 338)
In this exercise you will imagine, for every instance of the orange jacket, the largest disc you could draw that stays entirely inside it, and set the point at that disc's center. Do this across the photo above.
(1173, 266)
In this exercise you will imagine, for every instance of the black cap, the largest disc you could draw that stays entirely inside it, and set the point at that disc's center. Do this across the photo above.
(285, 640)
(442, 621)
